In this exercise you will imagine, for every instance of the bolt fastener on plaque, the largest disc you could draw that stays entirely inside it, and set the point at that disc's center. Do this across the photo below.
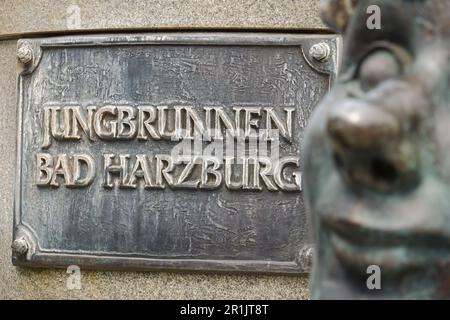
(25, 52)
(320, 51)
(20, 246)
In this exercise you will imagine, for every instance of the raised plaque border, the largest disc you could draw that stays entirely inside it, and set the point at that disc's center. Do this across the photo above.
(34, 256)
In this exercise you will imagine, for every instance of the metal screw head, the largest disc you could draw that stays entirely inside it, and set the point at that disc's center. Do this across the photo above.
(25, 52)
(320, 51)
(20, 246)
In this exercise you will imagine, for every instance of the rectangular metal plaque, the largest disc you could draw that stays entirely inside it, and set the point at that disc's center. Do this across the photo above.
(166, 151)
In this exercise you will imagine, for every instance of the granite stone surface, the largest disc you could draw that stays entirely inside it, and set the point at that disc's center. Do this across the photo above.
(20, 16)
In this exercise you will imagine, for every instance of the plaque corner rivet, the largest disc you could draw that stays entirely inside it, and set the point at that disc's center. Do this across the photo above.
(20, 246)
(320, 51)
(25, 52)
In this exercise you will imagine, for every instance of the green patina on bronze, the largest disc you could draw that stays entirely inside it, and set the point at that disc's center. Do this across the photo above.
(377, 155)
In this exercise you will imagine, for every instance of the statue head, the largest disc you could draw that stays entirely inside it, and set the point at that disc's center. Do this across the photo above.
(377, 154)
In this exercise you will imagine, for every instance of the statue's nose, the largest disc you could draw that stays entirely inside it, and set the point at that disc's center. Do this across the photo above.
(368, 146)
(356, 125)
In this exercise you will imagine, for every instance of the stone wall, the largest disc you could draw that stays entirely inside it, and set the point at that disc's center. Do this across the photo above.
(49, 17)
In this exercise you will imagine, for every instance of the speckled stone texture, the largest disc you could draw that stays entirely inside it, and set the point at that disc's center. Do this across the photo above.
(18, 17)
(21, 16)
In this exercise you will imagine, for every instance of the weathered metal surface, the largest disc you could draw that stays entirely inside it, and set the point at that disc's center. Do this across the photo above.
(92, 115)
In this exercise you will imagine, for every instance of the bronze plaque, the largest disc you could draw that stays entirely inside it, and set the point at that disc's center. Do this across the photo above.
(166, 151)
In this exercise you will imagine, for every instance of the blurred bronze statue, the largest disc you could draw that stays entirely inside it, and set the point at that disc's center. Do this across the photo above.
(377, 155)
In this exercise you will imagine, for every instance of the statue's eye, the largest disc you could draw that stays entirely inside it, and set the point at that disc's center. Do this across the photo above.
(378, 66)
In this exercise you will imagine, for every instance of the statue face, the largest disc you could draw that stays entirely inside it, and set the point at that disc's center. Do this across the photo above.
(377, 157)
